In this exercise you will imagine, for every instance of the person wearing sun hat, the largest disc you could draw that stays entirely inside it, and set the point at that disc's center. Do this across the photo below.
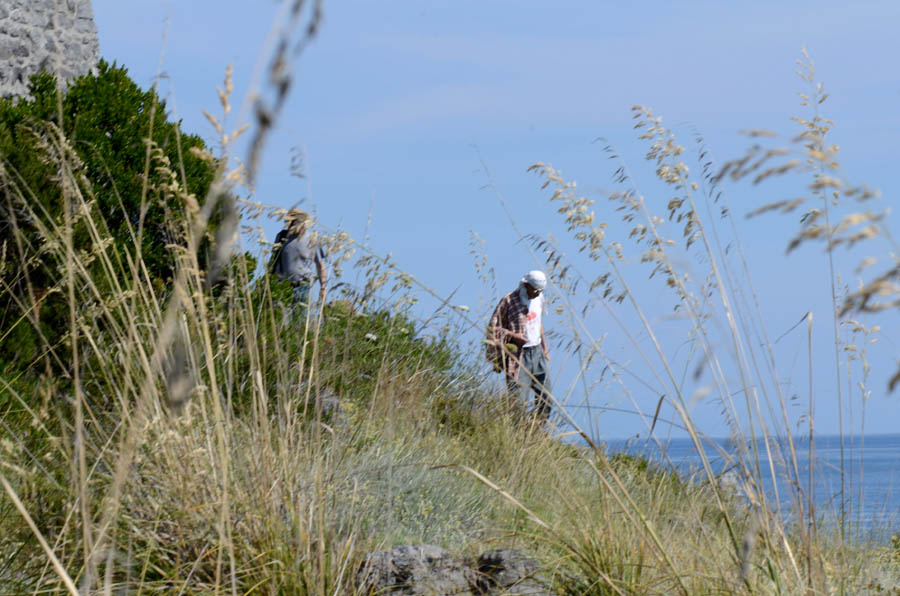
(516, 343)
(296, 258)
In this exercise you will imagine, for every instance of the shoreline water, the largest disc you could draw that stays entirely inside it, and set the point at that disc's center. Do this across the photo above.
(871, 475)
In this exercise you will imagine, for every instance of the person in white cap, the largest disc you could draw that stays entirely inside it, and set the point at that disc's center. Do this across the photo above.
(516, 343)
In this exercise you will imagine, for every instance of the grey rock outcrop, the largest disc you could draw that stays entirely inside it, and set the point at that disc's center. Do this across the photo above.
(415, 571)
(58, 36)
(509, 572)
(431, 571)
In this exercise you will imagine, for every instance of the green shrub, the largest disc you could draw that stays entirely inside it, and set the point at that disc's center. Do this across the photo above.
(102, 134)
(348, 350)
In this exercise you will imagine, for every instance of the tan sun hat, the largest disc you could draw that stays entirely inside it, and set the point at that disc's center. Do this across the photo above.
(297, 215)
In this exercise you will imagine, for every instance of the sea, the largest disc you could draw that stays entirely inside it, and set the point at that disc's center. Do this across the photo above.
(865, 493)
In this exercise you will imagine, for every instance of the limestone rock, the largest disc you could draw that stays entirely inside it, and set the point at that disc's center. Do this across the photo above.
(415, 571)
(58, 36)
(509, 572)
(432, 571)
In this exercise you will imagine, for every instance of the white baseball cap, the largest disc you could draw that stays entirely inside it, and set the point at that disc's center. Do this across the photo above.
(536, 279)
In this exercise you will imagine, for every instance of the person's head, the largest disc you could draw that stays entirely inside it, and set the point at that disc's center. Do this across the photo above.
(535, 282)
(296, 220)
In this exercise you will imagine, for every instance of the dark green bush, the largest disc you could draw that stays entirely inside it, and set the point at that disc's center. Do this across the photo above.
(107, 120)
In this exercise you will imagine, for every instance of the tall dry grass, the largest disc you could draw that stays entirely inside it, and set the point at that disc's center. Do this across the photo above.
(188, 448)
(690, 241)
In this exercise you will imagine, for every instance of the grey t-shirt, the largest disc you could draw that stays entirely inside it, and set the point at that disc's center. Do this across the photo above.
(297, 261)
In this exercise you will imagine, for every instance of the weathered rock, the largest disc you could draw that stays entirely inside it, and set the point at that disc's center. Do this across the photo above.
(55, 35)
(415, 571)
(509, 572)
(432, 571)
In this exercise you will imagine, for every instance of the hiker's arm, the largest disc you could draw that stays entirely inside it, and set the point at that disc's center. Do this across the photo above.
(544, 343)
(323, 279)
(519, 339)
(497, 328)
(505, 336)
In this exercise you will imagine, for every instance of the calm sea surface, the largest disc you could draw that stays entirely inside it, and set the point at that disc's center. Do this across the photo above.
(871, 479)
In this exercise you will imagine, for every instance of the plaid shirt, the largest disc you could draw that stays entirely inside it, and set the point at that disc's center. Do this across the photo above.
(509, 317)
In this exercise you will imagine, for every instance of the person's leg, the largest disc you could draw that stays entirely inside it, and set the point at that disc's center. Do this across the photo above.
(515, 398)
(512, 386)
(541, 386)
(300, 300)
(529, 379)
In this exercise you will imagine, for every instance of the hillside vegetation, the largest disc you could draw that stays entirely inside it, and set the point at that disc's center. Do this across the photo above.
(171, 425)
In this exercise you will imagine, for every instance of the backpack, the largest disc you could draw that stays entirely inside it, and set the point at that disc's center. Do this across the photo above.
(275, 267)
(492, 352)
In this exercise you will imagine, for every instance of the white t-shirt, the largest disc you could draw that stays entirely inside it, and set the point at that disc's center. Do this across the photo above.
(533, 321)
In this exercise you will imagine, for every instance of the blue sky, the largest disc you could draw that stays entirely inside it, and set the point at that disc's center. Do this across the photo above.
(397, 108)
